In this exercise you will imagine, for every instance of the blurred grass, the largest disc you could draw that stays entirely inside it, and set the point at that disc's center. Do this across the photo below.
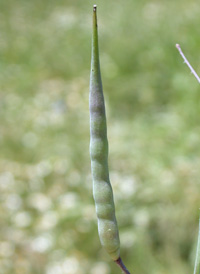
(48, 223)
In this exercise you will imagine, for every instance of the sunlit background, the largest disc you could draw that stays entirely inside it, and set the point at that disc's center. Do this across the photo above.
(48, 223)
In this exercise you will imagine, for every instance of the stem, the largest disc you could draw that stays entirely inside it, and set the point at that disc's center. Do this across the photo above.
(187, 62)
(197, 260)
(122, 266)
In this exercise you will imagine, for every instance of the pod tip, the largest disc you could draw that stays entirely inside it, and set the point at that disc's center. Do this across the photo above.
(94, 7)
(177, 46)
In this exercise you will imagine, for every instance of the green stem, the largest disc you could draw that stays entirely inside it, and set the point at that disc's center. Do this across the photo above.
(197, 260)
(122, 266)
(187, 63)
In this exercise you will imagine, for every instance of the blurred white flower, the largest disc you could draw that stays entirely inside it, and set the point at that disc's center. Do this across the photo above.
(141, 218)
(43, 169)
(49, 220)
(127, 186)
(128, 238)
(89, 212)
(42, 243)
(61, 166)
(64, 18)
(67, 266)
(13, 202)
(6, 180)
(70, 265)
(22, 219)
(6, 249)
(100, 268)
(39, 201)
(54, 269)
(68, 200)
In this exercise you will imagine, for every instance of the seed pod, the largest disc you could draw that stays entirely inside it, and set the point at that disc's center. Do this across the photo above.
(102, 190)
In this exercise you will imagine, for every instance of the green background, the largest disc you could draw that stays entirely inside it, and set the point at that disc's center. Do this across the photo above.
(47, 217)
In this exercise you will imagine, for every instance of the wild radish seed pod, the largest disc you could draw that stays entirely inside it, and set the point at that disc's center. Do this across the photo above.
(102, 190)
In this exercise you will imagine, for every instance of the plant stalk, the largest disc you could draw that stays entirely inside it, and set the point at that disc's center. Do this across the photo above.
(187, 63)
(122, 266)
(197, 260)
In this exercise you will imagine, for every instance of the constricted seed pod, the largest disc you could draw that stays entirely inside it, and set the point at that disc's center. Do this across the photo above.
(102, 190)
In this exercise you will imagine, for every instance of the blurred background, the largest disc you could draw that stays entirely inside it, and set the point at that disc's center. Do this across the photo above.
(47, 218)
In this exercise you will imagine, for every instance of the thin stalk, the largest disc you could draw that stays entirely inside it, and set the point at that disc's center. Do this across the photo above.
(122, 266)
(197, 260)
(187, 63)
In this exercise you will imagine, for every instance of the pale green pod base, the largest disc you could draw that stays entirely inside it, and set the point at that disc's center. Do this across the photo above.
(105, 209)
(108, 234)
(107, 224)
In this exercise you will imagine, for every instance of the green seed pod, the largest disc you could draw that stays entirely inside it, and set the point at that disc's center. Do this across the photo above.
(102, 190)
